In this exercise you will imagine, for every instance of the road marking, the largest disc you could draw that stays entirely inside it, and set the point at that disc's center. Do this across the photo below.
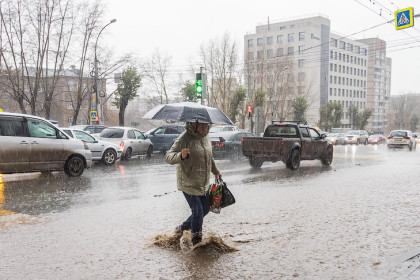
(351, 155)
(8, 218)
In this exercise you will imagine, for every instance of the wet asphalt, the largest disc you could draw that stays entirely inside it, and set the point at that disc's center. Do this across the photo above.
(350, 220)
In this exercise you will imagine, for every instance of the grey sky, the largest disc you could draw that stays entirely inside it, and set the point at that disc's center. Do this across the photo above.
(179, 27)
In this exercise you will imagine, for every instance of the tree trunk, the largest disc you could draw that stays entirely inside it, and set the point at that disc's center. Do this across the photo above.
(121, 116)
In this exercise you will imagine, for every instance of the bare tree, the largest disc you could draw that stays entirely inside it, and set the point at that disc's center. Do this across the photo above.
(220, 58)
(36, 36)
(155, 71)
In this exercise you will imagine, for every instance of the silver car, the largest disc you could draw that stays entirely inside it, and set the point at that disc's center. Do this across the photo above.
(357, 137)
(29, 143)
(131, 141)
(103, 151)
(400, 139)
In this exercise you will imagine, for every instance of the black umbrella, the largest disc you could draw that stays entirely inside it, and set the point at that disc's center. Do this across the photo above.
(187, 112)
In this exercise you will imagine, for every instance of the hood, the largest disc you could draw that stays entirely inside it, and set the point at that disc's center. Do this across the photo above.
(191, 131)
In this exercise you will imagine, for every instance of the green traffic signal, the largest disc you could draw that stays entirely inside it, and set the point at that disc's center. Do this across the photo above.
(198, 86)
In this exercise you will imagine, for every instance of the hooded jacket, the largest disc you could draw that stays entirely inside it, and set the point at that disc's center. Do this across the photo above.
(193, 174)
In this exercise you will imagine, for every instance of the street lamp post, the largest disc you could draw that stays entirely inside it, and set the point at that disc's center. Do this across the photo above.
(95, 80)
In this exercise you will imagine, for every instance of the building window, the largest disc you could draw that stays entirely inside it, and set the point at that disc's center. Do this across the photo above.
(335, 55)
(339, 68)
(301, 63)
(330, 91)
(259, 41)
(339, 56)
(290, 77)
(335, 67)
(250, 43)
(270, 40)
(301, 36)
(331, 67)
(357, 49)
(290, 50)
(282, 28)
(270, 53)
(70, 106)
(70, 120)
(333, 42)
(342, 45)
(301, 49)
(259, 54)
(280, 52)
(250, 55)
(339, 80)
(350, 47)
(335, 79)
(290, 38)
(331, 54)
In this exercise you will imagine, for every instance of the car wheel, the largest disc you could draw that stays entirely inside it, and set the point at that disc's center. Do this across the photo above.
(149, 152)
(293, 162)
(358, 142)
(128, 153)
(74, 166)
(109, 157)
(327, 160)
(366, 142)
(345, 143)
(255, 163)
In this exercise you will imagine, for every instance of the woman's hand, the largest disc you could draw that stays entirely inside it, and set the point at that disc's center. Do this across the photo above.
(184, 153)
(218, 176)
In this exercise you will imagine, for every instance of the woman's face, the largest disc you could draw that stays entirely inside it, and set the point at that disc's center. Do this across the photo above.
(203, 128)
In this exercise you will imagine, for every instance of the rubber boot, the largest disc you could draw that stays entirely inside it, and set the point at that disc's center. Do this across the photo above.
(196, 238)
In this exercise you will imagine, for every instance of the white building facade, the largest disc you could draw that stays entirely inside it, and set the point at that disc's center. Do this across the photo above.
(302, 57)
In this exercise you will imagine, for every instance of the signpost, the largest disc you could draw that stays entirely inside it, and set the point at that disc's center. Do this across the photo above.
(93, 116)
(404, 18)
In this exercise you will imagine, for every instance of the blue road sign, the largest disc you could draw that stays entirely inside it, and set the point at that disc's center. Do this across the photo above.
(404, 18)
(93, 115)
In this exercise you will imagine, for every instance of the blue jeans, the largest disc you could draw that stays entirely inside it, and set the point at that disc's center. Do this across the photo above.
(199, 207)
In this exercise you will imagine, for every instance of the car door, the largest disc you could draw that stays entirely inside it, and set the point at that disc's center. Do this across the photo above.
(95, 148)
(318, 143)
(158, 138)
(171, 133)
(307, 143)
(46, 146)
(143, 144)
(14, 143)
(132, 142)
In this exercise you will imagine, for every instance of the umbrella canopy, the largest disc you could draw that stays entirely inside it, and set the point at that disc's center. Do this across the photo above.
(187, 112)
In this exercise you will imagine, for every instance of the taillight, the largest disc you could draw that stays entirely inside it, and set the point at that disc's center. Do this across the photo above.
(122, 145)
(390, 137)
(222, 144)
(242, 139)
(406, 137)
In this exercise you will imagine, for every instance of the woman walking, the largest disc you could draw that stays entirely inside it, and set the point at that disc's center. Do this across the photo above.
(192, 153)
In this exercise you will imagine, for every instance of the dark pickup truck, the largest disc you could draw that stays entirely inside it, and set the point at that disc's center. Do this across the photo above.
(290, 143)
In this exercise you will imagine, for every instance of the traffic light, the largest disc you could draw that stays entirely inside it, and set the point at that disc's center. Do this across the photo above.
(249, 111)
(198, 85)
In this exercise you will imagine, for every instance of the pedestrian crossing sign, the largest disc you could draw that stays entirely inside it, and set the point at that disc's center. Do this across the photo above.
(404, 18)
(93, 115)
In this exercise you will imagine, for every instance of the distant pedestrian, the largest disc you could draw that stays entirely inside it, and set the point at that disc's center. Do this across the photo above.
(192, 153)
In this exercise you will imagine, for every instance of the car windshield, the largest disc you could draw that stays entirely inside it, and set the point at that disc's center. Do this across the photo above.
(352, 133)
(112, 133)
(374, 136)
(398, 134)
(280, 131)
(216, 129)
(332, 135)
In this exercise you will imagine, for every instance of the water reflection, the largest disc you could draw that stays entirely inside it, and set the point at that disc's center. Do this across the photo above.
(47, 194)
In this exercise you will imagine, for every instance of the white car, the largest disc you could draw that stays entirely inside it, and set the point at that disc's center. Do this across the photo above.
(131, 141)
(30, 144)
(401, 138)
(357, 137)
(103, 151)
(223, 128)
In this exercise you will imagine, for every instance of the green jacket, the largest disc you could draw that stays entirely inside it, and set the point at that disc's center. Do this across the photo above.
(193, 174)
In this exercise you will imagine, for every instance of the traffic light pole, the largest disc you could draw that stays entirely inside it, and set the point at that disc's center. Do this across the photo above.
(201, 75)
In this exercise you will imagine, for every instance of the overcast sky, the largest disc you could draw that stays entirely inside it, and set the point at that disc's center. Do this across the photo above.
(179, 27)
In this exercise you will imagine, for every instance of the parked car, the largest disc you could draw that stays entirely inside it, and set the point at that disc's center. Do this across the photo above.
(95, 130)
(228, 144)
(163, 137)
(336, 138)
(103, 151)
(131, 141)
(401, 138)
(357, 137)
(29, 144)
(377, 139)
(221, 128)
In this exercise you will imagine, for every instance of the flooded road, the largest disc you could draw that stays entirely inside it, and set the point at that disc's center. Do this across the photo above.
(347, 221)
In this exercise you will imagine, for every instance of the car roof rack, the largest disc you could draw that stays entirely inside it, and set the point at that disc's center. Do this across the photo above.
(281, 121)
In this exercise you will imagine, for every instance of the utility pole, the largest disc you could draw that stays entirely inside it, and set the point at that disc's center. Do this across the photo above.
(97, 104)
